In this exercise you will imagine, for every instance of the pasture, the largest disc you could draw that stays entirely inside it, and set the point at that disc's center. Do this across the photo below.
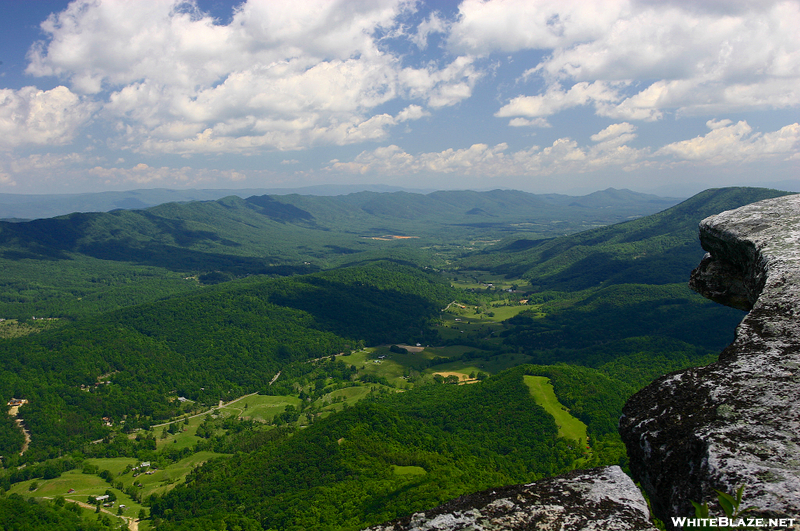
(568, 426)
(260, 408)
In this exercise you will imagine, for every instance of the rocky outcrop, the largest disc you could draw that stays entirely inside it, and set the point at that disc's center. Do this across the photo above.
(602, 499)
(736, 421)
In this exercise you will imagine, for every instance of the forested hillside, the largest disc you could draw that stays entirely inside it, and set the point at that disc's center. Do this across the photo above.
(657, 249)
(214, 345)
(378, 460)
(85, 263)
(338, 361)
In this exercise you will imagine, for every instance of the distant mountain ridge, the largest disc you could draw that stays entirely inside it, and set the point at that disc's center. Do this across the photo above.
(275, 235)
(214, 235)
(36, 206)
(17, 207)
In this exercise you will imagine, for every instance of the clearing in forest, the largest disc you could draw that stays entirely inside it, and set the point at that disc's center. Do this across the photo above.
(542, 391)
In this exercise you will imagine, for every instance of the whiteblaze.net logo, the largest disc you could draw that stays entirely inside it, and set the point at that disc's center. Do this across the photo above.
(772, 523)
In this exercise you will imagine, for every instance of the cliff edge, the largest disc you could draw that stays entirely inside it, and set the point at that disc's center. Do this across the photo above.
(600, 499)
(736, 421)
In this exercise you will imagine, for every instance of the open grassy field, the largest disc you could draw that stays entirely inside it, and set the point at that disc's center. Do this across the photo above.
(76, 486)
(408, 470)
(260, 408)
(84, 485)
(115, 465)
(164, 479)
(493, 365)
(460, 322)
(183, 438)
(395, 367)
(501, 312)
(483, 280)
(350, 396)
(568, 426)
(369, 361)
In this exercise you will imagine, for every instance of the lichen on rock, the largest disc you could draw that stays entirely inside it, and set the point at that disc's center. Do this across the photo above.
(601, 499)
(735, 421)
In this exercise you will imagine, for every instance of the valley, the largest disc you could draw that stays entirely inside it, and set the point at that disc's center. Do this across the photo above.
(280, 363)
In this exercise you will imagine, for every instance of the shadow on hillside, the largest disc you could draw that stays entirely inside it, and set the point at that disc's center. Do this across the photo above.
(357, 310)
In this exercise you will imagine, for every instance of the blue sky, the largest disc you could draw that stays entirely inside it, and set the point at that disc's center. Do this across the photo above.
(546, 96)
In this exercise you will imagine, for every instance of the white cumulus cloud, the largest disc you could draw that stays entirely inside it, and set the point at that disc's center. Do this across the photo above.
(278, 76)
(729, 142)
(33, 116)
(556, 99)
(564, 155)
(651, 57)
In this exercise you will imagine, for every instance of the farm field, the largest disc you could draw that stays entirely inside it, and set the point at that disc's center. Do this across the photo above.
(84, 485)
(464, 321)
(493, 365)
(542, 391)
(77, 486)
(260, 408)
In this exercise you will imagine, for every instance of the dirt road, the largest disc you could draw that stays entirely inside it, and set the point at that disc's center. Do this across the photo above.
(14, 411)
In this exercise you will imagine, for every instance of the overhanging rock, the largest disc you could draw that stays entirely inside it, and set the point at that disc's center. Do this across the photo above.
(737, 421)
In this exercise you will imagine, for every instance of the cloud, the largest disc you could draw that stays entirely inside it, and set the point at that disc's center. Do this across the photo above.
(672, 41)
(615, 132)
(441, 87)
(482, 160)
(512, 25)
(7, 180)
(412, 112)
(142, 174)
(433, 24)
(729, 142)
(726, 143)
(651, 57)
(524, 122)
(33, 116)
(279, 76)
(556, 99)
(175, 44)
(43, 162)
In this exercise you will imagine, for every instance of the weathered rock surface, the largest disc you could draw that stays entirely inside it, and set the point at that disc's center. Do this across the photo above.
(597, 499)
(736, 421)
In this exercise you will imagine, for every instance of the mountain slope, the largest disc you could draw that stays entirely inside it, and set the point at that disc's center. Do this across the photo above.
(90, 262)
(217, 344)
(351, 469)
(658, 249)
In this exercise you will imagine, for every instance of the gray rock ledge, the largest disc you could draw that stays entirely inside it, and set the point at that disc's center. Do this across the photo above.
(736, 421)
(599, 499)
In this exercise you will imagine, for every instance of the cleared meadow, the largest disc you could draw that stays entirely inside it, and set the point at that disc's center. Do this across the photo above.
(542, 391)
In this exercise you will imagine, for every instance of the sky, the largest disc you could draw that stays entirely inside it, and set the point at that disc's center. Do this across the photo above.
(568, 96)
